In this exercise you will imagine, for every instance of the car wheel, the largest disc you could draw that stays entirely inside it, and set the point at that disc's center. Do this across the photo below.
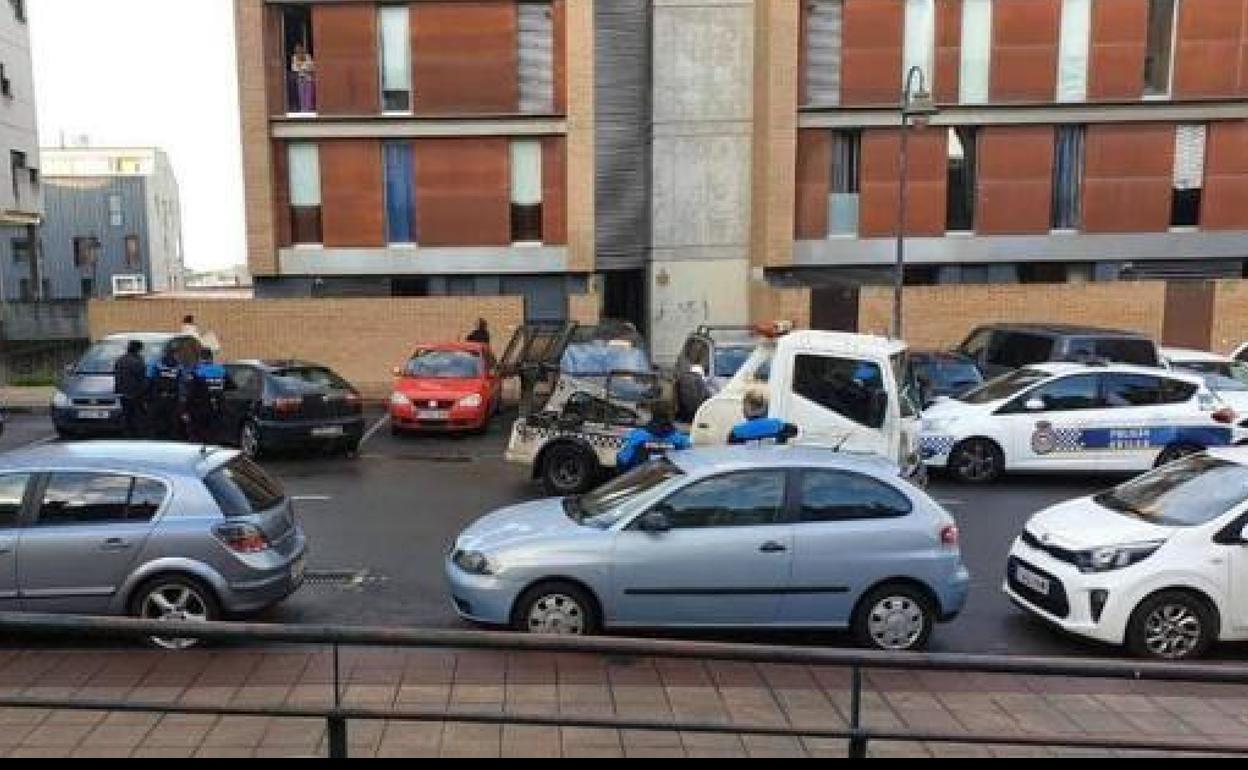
(896, 617)
(556, 609)
(568, 470)
(1176, 452)
(175, 598)
(977, 461)
(1172, 625)
(249, 440)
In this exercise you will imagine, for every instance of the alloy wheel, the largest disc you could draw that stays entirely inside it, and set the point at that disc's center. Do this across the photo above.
(174, 602)
(896, 623)
(1172, 631)
(556, 615)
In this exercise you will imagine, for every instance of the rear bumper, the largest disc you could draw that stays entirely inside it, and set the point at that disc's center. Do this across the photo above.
(302, 433)
(247, 597)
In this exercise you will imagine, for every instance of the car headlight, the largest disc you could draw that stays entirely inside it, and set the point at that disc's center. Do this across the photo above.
(398, 399)
(474, 563)
(470, 402)
(61, 401)
(1115, 557)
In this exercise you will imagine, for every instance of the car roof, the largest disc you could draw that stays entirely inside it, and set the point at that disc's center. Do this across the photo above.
(940, 355)
(1191, 354)
(1062, 330)
(142, 336)
(273, 364)
(701, 460)
(859, 344)
(131, 456)
(1057, 368)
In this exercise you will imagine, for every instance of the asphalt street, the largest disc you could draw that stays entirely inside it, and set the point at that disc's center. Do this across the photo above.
(379, 526)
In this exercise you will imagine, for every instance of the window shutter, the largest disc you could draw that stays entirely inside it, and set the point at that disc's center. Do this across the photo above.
(1072, 68)
(1189, 157)
(536, 50)
(396, 67)
(823, 52)
(974, 76)
(920, 41)
(526, 172)
(305, 176)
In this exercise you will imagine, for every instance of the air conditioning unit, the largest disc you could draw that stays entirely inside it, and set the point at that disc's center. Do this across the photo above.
(129, 285)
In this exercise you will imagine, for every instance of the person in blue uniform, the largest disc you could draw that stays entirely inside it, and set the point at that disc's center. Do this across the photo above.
(656, 439)
(758, 428)
(167, 379)
(205, 393)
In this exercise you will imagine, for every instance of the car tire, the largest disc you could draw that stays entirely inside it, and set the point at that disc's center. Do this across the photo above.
(1172, 626)
(175, 597)
(556, 609)
(895, 617)
(568, 469)
(977, 461)
(1176, 452)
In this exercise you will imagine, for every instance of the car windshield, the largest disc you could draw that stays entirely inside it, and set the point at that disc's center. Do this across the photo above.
(599, 358)
(1218, 375)
(603, 507)
(728, 361)
(1187, 493)
(313, 375)
(1005, 386)
(103, 355)
(444, 365)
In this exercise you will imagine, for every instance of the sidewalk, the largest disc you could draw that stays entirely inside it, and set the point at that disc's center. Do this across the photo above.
(567, 684)
(21, 400)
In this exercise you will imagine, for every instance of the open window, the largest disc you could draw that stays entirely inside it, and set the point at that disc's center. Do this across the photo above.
(300, 59)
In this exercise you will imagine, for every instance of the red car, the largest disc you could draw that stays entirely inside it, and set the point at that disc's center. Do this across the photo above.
(452, 387)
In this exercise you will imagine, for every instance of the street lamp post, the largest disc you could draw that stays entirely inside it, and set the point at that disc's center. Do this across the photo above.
(916, 108)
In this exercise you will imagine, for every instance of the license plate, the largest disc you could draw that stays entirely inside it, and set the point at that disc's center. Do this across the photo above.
(93, 414)
(296, 571)
(429, 414)
(1031, 580)
(331, 430)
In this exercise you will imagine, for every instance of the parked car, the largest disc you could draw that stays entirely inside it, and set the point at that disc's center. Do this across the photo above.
(710, 357)
(942, 374)
(451, 387)
(152, 530)
(760, 537)
(86, 405)
(1002, 348)
(279, 405)
(1158, 564)
(1225, 376)
(1075, 417)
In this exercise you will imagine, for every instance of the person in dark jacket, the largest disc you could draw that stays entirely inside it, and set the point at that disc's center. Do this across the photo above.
(205, 394)
(758, 428)
(654, 440)
(167, 389)
(481, 334)
(130, 375)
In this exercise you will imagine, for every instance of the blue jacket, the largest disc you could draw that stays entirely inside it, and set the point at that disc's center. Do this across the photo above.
(648, 442)
(167, 379)
(762, 429)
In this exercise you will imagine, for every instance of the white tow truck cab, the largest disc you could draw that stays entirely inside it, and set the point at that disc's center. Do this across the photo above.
(850, 391)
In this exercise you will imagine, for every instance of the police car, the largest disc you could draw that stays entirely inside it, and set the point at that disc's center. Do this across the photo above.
(1075, 417)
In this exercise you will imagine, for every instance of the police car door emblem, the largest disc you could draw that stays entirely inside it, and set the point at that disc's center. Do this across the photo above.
(1044, 440)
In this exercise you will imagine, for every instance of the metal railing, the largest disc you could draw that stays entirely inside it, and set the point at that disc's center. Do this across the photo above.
(857, 734)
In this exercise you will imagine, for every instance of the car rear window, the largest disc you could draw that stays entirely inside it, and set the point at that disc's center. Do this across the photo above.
(1018, 349)
(242, 488)
(313, 375)
(1127, 351)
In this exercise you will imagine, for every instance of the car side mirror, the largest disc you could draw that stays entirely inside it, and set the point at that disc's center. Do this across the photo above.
(1034, 405)
(655, 522)
(697, 370)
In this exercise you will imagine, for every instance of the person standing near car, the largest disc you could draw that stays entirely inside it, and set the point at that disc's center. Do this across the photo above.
(167, 385)
(481, 334)
(205, 392)
(130, 375)
(656, 439)
(758, 428)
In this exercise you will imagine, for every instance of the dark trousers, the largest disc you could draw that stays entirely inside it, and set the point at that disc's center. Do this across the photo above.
(166, 420)
(204, 426)
(132, 416)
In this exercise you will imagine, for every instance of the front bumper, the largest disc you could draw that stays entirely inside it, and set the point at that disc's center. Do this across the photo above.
(287, 434)
(69, 421)
(1068, 606)
(934, 448)
(457, 419)
(480, 598)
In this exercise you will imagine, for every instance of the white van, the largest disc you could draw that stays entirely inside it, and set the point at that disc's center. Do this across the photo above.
(849, 391)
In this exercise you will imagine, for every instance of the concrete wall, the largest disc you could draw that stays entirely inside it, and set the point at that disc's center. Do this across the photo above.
(703, 110)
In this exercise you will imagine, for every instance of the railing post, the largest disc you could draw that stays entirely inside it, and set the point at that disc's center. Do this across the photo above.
(857, 738)
(336, 722)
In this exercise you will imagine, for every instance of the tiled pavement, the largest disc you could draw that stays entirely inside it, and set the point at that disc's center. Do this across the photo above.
(566, 684)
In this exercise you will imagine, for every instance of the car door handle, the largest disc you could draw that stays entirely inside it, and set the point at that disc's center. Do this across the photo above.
(114, 544)
(773, 547)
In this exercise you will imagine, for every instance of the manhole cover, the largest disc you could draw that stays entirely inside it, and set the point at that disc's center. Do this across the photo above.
(342, 578)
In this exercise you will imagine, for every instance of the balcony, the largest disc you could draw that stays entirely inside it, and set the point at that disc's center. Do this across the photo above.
(43, 321)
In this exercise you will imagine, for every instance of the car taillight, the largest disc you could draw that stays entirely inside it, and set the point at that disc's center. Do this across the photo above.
(355, 401)
(1225, 415)
(949, 536)
(286, 405)
(242, 538)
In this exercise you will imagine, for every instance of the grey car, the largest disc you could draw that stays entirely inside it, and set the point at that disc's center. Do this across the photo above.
(742, 537)
(153, 530)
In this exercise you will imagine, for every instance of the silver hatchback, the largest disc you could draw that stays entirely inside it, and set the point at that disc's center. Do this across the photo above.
(152, 530)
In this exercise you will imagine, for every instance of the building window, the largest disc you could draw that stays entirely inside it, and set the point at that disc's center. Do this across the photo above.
(88, 288)
(21, 251)
(300, 65)
(17, 166)
(824, 19)
(920, 41)
(396, 59)
(976, 65)
(19, 10)
(6, 85)
(536, 48)
(46, 288)
(526, 191)
(86, 252)
(305, 192)
(400, 193)
(963, 159)
(1158, 58)
(1189, 175)
(24, 293)
(1068, 178)
(1076, 36)
(134, 256)
(843, 190)
(116, 218)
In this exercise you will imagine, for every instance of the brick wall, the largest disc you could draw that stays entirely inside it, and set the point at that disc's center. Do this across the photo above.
(768, 303)
(584, 308)
(362, 339)
(1230, 316)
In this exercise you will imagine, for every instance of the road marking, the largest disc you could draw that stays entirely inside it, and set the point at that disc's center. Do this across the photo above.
(951, 502)
(373, 430)
(311, 498)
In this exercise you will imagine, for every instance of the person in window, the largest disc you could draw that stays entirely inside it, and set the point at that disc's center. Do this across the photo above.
(758, 428)
(481, 334)
(303, 69)
(656, 439)
(130, 374)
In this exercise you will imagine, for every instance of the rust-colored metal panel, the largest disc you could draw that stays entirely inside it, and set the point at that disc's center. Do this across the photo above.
(1130, 150)
(1188, 319)
(1015, 179)
(465, 57)
(1128, 177)
(1127, 205)
(1024, 50)
(948, 50)
(560, 32)
(871, 51)
(1224, 203)
(554, 190)
(274, 61)
(1208, 37)
(463, 192)
(346, 59)
(925, 186)
(814, 177)
(802, 44)
(281, 193)
(1118, 43)
(352, 193)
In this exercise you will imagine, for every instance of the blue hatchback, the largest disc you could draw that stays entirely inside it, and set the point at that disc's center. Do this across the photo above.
(744, 537)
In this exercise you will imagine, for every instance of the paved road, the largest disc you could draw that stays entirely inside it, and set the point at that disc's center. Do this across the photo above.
(379, 526)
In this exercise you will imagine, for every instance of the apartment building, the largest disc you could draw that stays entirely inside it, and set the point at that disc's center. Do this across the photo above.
(21, 200)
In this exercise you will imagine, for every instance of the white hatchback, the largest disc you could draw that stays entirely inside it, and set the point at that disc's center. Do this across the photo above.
(1075, 417)
(1159, 564)
(1225, 376)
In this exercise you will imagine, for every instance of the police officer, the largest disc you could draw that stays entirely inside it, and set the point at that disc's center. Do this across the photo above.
(758, 427)
(654, 440)
(205, 393)
(130, 376)
(167, 379)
